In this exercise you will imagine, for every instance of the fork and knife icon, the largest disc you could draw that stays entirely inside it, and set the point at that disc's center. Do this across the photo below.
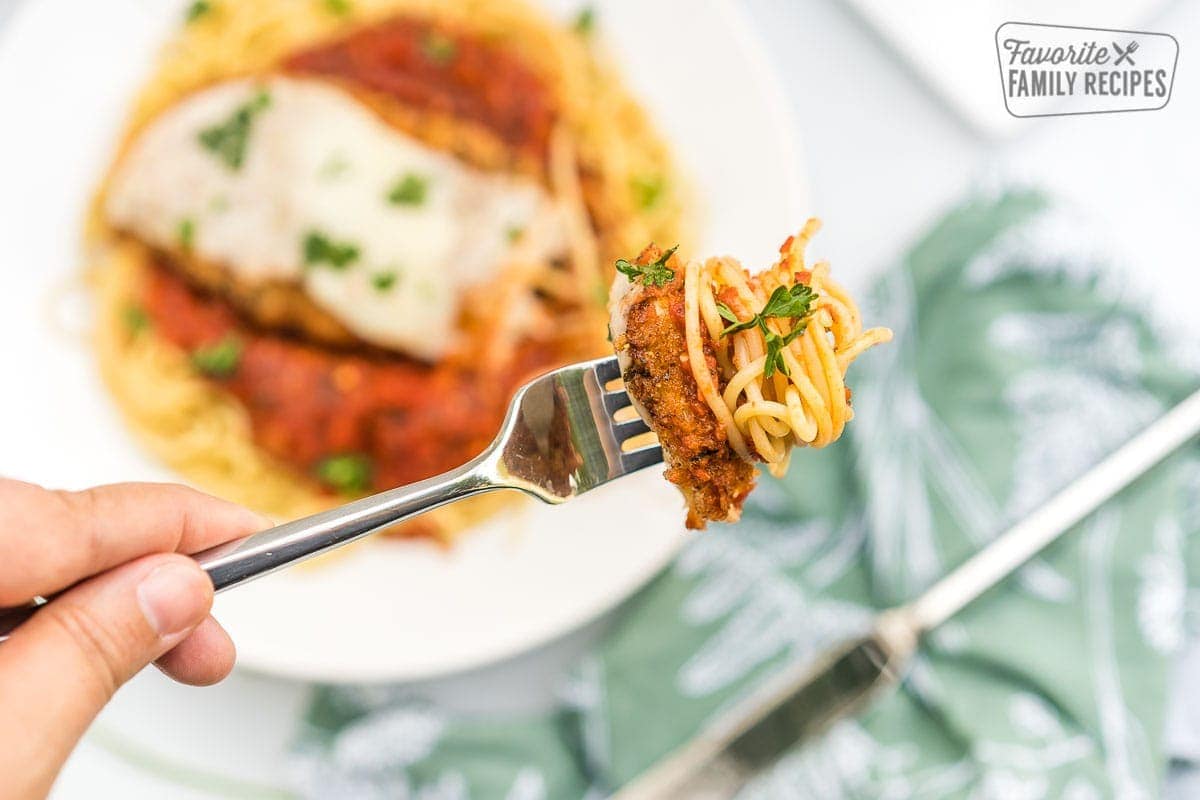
(1125, 55)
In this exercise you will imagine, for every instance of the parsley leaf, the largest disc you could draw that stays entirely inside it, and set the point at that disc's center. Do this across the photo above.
(783, 302)
(727, 314)
(656, 274)
(320, 249)
(775, 347)
(410, 190)
(135, 318)
(648, 190)
(339, 8)
(585, 21)
(227, 141)
(382, 281)
(187, 234)
(792, 303)
(197, 10)
(438, 48)
(349, 473)
(334, 167)
(218, 360)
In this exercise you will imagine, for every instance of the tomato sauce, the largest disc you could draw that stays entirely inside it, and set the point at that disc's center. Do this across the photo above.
(408, 419)
(455, 73)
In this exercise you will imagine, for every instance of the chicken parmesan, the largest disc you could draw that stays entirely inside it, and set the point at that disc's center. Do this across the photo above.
(337, 236)
(731, 369)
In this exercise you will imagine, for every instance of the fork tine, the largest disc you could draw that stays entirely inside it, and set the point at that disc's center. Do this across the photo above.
(644, 457)
(630, 427)
(585, 424)
(607, 370)
(615, 401)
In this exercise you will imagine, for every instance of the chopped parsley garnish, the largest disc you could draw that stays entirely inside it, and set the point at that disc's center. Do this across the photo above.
(655, 274)
(228, 140)
(334, 167)
(794, 303)
(439, 48)
(320, 249)
(349, 473)
(409, 190)
(585, 21)
(648, 190)
(514, 233)
(338, 7)
(197, 10)
(783, 302)
(135, 318)
(218, 360)
(383, 281)
(187, 234)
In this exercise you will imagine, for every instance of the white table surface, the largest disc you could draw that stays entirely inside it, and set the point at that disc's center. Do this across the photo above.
(885, 156)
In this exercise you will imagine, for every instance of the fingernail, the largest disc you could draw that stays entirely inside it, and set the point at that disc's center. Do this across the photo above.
(174, 598)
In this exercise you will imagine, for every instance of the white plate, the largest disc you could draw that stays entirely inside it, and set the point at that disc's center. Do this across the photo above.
(386, 610)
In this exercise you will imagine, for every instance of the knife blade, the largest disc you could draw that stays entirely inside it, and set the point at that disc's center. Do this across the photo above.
(793, 708)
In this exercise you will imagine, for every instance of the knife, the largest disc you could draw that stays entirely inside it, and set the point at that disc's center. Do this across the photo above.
(804, 701)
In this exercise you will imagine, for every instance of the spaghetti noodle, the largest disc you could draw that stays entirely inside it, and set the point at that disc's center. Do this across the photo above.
(765, 354)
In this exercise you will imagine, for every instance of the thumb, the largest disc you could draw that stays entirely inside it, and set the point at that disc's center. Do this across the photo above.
(61, 667)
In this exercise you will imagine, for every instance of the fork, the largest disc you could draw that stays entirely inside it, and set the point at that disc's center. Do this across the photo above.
(1125, 55)
(559, 439)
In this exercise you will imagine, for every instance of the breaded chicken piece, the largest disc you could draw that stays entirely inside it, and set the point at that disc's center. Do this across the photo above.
(647, 324)
(275, 305)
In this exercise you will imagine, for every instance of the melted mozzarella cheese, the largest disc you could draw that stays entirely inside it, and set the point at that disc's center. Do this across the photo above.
(318, 162)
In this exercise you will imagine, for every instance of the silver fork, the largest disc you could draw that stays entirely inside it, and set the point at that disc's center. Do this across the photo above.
(559, 440)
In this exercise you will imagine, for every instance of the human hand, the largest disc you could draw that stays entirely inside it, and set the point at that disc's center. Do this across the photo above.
(131, 599)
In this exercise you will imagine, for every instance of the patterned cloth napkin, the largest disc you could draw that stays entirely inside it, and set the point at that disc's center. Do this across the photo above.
(1019, 361)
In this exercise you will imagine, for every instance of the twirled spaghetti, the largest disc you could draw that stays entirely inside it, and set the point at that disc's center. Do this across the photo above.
(765, 355)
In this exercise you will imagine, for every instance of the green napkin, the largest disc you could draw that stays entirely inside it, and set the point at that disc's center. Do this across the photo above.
(1019, 361)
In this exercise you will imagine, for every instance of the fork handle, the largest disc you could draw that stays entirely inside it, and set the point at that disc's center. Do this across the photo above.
(243, 560)
(240, 561)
